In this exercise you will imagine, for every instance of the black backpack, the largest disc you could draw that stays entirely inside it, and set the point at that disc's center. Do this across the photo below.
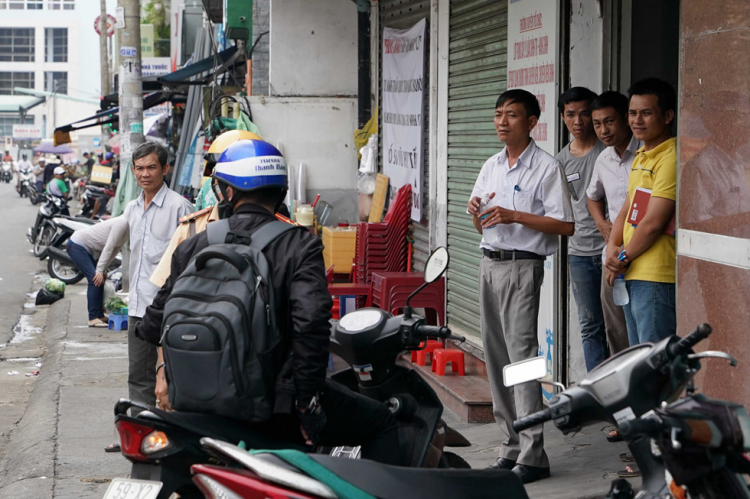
(222, 348)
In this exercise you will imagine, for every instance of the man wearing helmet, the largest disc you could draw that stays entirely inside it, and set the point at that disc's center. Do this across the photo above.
(250, 178)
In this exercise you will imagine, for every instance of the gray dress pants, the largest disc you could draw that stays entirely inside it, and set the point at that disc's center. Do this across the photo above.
(509, 305)
(142, 358)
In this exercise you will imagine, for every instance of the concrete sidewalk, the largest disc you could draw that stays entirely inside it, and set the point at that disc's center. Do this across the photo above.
(583, 465)
(57, 449)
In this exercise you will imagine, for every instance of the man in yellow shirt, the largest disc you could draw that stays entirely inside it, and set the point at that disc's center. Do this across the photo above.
(644, 253)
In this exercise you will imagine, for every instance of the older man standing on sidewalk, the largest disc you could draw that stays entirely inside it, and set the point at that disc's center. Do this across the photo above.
(153, 217)
(529, 208)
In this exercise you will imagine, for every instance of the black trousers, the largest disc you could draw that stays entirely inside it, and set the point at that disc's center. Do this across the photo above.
(352, 420)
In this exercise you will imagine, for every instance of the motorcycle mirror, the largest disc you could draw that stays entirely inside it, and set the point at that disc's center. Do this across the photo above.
(525, 371)
(436, 265)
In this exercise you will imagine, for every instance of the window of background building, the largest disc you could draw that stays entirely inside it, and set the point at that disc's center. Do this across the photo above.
(12, 79)
(7, 122)
(56, 45)
(56, 78)
(21, 4)
(61, 4)
(17, 44)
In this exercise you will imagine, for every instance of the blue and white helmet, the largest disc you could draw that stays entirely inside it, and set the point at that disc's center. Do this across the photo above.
(247, 165)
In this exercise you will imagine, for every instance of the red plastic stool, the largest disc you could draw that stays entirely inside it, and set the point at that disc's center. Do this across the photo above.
(442, 356)
(421, 357)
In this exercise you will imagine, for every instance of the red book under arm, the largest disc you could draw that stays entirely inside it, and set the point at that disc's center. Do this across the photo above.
(640, 206)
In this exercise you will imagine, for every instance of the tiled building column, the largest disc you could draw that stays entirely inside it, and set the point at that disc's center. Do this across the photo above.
(713, 241)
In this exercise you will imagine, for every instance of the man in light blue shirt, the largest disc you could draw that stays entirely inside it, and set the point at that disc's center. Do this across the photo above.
(153, 217)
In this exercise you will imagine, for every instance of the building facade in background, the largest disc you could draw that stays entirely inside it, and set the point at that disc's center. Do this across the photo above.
(49, 46)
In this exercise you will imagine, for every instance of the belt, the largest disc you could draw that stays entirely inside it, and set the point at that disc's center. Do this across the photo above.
(512, 255)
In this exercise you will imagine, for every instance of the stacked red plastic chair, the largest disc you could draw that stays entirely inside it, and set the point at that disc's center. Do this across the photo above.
(383, 246)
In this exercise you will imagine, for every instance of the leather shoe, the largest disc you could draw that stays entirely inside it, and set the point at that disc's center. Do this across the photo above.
(529, 474)
(502, 464)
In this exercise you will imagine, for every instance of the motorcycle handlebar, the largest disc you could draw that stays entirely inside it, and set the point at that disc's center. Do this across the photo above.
(442, 332)
(532, 420)
(636, 427)
(688, 342)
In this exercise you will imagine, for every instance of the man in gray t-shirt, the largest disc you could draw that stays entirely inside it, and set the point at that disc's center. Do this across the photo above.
(585, 246)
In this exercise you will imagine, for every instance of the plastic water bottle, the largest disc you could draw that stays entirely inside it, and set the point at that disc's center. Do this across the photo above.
(488, 233)
(620, 291)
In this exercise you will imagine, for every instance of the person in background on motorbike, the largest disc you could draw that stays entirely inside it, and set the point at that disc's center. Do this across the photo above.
(7, 157)
(24, 166)
(57, 186)
(307, 407)
(108, 159)
(39, 172)
(92, 250)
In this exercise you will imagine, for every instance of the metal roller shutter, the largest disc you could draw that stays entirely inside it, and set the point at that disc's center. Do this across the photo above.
(476, 76)
(403, 14)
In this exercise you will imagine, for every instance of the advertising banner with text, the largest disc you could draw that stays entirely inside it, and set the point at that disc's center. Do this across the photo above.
(533, 27)
(403, 111)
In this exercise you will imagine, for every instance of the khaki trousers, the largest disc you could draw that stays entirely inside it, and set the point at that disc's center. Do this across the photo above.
(614, 320)
(509, 306)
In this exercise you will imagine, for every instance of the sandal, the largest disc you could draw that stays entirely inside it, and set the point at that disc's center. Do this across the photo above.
(113, 447)
(629, 472)
(627, 457)
(614, 436)
(97, 323)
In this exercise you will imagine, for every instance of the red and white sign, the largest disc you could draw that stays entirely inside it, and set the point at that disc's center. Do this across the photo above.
(111, 22)
(533, 61)
(27, 132)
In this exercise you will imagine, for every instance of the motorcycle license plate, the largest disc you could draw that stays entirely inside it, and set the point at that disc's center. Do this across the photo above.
(128, 488)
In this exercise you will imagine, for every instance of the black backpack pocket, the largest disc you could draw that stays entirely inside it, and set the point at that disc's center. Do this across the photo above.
(203, 369)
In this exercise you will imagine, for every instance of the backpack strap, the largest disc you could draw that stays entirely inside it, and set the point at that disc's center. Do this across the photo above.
(217, 231)
(263, 236)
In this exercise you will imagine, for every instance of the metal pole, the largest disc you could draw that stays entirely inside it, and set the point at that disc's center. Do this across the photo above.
(131, 82)
(103, 56)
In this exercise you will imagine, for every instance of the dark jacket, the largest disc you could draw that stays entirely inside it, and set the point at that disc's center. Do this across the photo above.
(301, 295)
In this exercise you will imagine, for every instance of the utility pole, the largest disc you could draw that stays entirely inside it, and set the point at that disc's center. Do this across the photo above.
(131, 85)
(103, 59)
(103, 53)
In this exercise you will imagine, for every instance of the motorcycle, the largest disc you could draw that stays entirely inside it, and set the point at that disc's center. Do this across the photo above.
(28, 186)
(700, 442)
(59, 264)
(6, 173)
(89, 197)
(163, 445)
(692, 448)
(43, 230)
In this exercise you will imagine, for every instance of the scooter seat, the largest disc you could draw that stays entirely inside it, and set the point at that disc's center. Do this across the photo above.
(396, 482)
(255, 435)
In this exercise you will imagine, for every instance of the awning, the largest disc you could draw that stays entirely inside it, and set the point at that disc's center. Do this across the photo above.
(112, 115)
(18, 103)
(217, 63)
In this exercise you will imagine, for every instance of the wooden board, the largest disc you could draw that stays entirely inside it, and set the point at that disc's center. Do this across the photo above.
(378, 198)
